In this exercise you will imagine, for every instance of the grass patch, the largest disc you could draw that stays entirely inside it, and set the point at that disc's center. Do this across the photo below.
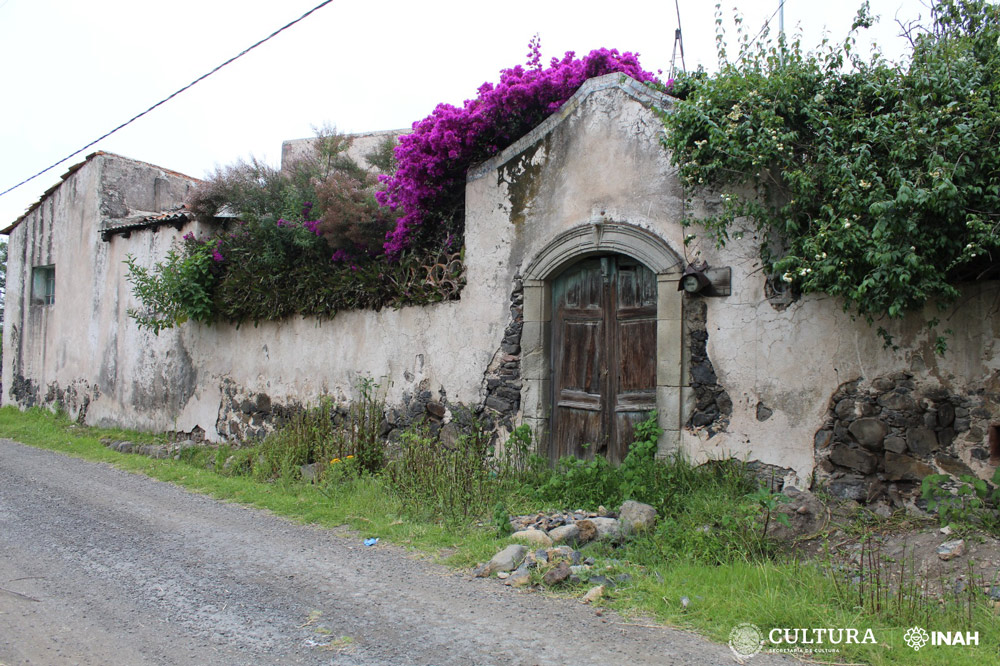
(707, 548)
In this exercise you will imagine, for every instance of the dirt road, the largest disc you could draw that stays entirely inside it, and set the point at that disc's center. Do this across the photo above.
(99, 566)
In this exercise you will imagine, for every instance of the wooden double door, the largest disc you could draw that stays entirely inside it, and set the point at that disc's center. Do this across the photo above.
(603, 356)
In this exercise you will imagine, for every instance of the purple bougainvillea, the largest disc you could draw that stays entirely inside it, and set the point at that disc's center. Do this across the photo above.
(428, 187)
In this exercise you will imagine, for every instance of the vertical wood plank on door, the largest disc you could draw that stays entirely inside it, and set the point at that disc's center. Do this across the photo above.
(604, 356)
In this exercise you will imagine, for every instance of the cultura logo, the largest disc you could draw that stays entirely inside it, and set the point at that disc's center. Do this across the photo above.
(916, 637)
(746, 640)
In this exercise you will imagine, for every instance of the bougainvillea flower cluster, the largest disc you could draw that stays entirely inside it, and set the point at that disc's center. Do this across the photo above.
(428, 186)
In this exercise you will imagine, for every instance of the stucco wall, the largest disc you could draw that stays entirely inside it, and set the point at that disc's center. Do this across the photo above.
(791, 361)
(124, 376)
(598, 161)
(78, 351)
(361, 145)
(592, 178)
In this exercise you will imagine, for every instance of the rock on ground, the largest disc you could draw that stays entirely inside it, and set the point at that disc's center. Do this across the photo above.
(568, 534)
(532, 537)
(507, 559)
(636, 517)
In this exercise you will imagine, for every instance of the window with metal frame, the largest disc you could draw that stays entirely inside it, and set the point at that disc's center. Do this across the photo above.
(43, 285)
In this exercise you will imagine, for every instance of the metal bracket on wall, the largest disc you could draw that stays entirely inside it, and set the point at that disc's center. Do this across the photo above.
(721, 281)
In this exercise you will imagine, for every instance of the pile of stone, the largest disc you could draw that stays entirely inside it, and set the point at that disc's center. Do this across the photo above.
(561, 564)
(548, 521)
(553, 539)
(151, 450)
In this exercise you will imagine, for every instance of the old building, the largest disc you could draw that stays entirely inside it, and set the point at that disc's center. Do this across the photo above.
(572, 321)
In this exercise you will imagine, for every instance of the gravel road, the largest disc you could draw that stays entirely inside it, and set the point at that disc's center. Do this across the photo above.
(100, 566)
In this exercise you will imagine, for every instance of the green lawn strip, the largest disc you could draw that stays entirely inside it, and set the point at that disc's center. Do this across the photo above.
(792, 595)
(766, 593)
(363, 504)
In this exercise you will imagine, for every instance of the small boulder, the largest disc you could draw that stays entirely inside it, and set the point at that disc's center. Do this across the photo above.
(949, 550)
(894, 444)
(869, 432)
(899, 467)
(507, 559)
(520, 578)
(569, 534)
(854, 458)
(593, 594)
(557, 574)
(636, 517)
(607, 528)
(588, 531)
(532, 537)
(922, 441)
(563, 553)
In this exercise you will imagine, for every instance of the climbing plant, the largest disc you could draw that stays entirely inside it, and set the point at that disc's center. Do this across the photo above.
(875, 182)
(428, 189)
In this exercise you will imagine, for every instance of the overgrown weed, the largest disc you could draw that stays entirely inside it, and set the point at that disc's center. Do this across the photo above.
(722, 572)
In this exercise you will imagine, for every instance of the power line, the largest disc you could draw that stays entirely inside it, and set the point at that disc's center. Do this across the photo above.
(781, 5)
(167, 99)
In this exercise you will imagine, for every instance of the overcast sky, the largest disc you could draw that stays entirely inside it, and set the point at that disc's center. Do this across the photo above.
(70, 71)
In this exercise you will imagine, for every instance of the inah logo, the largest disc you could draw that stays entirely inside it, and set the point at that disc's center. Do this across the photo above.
(916, 637)
(745, 640)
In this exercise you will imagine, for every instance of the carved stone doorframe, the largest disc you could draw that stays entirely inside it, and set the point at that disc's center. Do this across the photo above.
(536, 337)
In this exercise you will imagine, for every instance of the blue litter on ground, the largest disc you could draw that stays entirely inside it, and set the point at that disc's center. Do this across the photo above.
(371, 541)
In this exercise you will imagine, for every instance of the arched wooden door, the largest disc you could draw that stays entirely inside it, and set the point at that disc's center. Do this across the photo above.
(603, 356)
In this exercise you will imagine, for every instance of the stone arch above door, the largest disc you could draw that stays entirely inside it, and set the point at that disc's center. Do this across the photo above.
(536, 354)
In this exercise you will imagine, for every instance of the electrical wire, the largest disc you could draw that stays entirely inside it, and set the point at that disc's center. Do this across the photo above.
(167, 99)
(766, 23)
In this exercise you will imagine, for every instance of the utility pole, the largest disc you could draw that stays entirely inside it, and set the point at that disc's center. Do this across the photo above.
(678, 45)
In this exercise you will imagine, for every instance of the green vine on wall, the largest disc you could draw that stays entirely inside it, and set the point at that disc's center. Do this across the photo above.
(874, 182)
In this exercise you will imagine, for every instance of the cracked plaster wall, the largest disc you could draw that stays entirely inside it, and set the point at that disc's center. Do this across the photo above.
(791, 361)
(175, 381)
(597, 160)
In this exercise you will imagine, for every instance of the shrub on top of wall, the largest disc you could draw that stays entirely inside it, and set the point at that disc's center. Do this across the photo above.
(429, 184)
(318, 238)
(876, 182)
(308, 241)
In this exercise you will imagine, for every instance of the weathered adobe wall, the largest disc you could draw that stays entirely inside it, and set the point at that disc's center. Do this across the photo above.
(31, 349)
(755, 379)
(84, 353)
(76, 352)
(759, 375)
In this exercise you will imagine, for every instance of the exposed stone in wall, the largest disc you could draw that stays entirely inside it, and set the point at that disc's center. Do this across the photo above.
(503, 376)
(75, 399)
(713, 405)
(881, 438)
(246, 415)
(772, 476)
(24, 391)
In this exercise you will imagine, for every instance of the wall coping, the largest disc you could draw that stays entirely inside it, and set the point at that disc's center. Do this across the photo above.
(640, 92)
